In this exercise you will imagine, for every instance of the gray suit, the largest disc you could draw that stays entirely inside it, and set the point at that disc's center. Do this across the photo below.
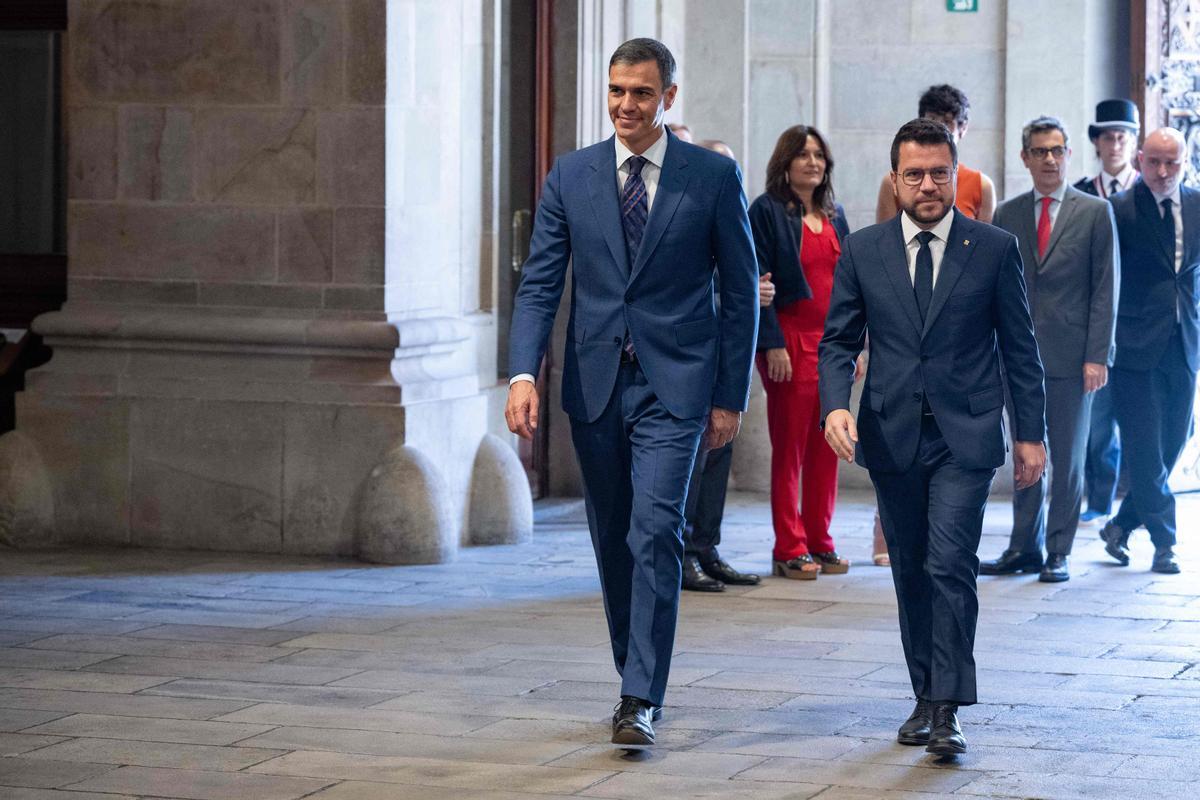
(1073, 300)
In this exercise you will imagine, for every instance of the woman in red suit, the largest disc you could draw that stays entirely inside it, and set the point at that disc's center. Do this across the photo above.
(798, 231)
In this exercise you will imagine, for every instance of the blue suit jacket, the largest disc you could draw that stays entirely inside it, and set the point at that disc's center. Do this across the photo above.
(978, 314)
(1151, 291)
(693, 354)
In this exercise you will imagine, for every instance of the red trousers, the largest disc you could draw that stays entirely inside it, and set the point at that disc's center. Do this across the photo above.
(799, 454)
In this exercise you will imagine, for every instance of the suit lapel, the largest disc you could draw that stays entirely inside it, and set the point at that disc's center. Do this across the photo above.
(1061, 222)
(958, 252)
(1190, 212)
(1026, 232)
(672, 181)
(602, 190)
(1148, 210)
(895, 264)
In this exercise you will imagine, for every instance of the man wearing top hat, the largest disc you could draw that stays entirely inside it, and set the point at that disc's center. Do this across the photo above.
(1114, 135)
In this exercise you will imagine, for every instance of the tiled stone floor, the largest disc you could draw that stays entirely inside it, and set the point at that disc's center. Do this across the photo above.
(197, 675)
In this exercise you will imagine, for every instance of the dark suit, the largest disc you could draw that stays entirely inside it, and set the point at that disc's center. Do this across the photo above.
(636, 425)
(1072, 297)
(932, 471)
(1158, 353)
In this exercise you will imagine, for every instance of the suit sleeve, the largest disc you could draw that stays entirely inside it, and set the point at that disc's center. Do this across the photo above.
(844, 337)
(1018, 347)
(762, 226)
(1106, 278)
(733, 248)
(542, 279)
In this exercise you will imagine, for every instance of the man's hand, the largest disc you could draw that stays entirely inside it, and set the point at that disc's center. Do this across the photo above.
(766, 290)
(860, 367)
(1029, 461)
(842, 433)
(723, 425)
(521, 411)
(779, 364)
(1094, 377)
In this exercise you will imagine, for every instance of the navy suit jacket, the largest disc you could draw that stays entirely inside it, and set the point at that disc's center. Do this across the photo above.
(978, 314)
(1151, 291)
(694, 354)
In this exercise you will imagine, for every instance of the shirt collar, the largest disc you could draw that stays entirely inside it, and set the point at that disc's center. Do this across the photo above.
(1057, 194)
(1123, 178)
(910, 228)
(654, 153)
(1175, 196)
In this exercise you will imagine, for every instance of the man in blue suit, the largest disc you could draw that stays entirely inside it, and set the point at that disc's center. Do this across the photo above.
(944, 299)
(1158, 342)
(651, 364)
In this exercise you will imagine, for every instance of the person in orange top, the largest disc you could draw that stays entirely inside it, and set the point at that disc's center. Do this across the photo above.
(976, 197)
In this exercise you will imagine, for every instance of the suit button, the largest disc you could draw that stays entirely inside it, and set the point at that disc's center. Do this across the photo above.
(916, 395)
(924, 358)
(616, 340)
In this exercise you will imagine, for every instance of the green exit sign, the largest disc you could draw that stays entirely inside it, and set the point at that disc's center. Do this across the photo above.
(962, 5)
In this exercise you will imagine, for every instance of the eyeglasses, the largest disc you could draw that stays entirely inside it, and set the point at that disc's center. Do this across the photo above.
(915, 177)
(1039, 153)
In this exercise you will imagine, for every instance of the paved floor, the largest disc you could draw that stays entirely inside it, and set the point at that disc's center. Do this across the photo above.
(192, 675)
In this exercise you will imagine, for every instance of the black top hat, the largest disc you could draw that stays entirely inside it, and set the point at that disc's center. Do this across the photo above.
(1113, 114)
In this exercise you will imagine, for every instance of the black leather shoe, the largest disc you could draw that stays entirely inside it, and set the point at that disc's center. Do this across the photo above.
(1165, 562)
(1116, 543)
(633, 724)
(946, 738)
(915, 729)
(1010, 562)
(1055, 569)
(695, 579)
(719, 569)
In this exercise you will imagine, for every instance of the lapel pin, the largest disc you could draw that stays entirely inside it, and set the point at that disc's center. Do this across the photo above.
(966, 242)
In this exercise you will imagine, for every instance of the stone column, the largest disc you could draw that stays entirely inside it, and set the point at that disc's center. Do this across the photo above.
(270, 337)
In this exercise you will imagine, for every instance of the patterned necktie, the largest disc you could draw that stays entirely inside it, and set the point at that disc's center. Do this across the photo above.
(634, 207)
(923, 275)
(1043, 229)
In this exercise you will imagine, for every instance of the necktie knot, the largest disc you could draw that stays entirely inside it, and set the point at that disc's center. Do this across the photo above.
(925, 237)
(1114, 187)
(1166, 206)
(635, 165)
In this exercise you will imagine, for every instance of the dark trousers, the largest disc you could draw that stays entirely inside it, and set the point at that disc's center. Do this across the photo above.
(1067, 412)
(1103, 454)
(636, 460)
(932, 520)
(1154, 410)
(706, 503)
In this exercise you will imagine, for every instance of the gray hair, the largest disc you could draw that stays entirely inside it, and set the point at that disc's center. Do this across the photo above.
(638, 51)
(1043, 124)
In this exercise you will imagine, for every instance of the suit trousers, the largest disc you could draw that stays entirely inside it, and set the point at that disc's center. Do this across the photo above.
(635, 459)
(932, 520)
(1067, 416)
(1103, 454)
(1154, 411)
(706, 503)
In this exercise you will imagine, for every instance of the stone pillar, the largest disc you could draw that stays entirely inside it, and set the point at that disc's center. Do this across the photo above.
(274, 275)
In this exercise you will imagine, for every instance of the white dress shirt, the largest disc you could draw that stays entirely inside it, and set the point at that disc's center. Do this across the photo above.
(937, 245)
(651, 170)
(1177, 212)
(1056, 198)
(1104, 181)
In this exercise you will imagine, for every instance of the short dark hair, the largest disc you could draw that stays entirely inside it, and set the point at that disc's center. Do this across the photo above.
(788, 148)
(923, 131)
(1042, 124)
(945, 101)
(638, 51)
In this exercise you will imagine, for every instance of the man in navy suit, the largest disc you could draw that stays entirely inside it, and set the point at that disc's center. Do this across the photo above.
(1158, 342)
(944, 299)
(651, 364)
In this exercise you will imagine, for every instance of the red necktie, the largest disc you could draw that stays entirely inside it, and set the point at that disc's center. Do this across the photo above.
(1043, 230)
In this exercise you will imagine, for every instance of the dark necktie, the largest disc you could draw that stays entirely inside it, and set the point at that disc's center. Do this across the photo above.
(634, 207)
(1169, 229)
(923, 278)
(1113, 187)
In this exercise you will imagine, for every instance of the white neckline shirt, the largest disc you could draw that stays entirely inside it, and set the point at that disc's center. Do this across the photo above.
(651, 170)
(937, 245)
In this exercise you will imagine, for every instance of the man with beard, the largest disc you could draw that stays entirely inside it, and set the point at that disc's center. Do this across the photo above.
(944, 298)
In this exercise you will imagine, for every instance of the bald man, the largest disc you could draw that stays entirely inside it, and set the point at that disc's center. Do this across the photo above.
(1158, 342)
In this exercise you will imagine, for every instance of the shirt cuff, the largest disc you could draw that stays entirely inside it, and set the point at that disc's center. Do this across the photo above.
(524, 376)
